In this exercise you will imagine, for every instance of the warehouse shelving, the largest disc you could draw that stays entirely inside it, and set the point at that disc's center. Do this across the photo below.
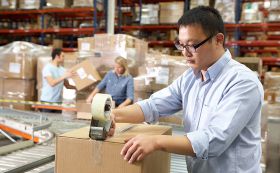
(148, 27)
(231, 28)
(132, 3)
(69, 15)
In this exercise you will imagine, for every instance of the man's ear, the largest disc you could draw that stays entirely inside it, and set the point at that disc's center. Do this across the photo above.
(220, 38)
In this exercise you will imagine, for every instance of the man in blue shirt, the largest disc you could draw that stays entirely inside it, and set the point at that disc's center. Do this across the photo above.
(54, 77)
(118, 83)
(221, 101)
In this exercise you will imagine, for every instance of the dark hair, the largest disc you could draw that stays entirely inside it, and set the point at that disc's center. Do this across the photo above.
(208, 18)
(55, 52)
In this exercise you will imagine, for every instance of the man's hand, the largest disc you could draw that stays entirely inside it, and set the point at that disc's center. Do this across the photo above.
(69, 74)
(138, 147)
(113, 126)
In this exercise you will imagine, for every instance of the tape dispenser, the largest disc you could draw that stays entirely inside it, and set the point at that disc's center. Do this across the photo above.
(100, 122)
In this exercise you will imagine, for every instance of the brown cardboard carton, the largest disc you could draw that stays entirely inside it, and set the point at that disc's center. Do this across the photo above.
(86, 44)
(8, 4)
(142, 83)
(18, 106)
(29, 4)
(83, 109)
(170, 12)
(18, 88)
(59, 4)
(76, 152)
(86, 74)
(57, 43)
(141, 95)
(84, 93)
(20, 66)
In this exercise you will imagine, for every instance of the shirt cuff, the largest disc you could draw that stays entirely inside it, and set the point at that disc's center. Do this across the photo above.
(200, 143)
(150, 113)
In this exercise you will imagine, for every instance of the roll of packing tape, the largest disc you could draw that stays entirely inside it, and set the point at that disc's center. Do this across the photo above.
(101, 107)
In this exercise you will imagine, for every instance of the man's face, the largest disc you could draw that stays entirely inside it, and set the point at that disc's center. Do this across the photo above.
(61, 58)
(202, 58)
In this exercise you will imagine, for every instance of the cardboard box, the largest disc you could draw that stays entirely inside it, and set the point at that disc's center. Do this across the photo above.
(57, 43)
(8, 4)
(59, 4)
(86, 44)
(76, 152)
(141, 95)
(86, 75)
(170, 12)
(18, 106)
(83, 110)
(20, 66)
(254, 63)
(17, 88)
(29, 4)
(142, 83)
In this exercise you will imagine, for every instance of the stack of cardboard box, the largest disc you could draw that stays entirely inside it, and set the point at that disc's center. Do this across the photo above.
(164, 69)
(272, 87)
(29, 4)
(104, 48)
(225, 7)
(150, 14)
(8, 4)
(88, 3)
(251, 12)
(142, 88)
(194, 4)
(59, 4)
(170, 12)
(18, 63)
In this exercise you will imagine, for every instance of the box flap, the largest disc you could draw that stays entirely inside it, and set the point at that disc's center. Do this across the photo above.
(121, 133)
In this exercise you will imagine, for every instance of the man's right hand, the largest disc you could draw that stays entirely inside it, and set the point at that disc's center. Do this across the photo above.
(113, 125)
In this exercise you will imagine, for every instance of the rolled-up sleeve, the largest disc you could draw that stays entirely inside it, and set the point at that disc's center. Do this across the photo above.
(130, 89)
(162, 103)
(237, 111)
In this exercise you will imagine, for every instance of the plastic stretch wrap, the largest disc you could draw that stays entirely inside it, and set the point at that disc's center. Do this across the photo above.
(107, 47)
(19, 59)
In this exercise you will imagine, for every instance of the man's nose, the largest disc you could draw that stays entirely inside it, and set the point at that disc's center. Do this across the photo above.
(186, 52)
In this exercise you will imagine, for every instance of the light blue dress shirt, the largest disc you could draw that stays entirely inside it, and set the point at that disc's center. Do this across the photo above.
(221, 116)
(49, 93)
(119, 87)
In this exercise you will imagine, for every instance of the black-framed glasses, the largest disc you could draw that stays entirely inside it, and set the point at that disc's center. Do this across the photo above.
(192, 48)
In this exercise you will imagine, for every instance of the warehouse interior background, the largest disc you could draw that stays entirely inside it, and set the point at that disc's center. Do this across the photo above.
(92, 33)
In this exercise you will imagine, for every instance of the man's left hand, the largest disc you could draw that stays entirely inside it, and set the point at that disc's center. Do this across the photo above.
(138, 147)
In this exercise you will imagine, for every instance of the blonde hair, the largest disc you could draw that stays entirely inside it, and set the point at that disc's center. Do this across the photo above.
(122, 62)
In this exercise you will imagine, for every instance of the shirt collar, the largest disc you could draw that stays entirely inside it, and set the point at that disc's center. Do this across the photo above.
(216, 68)
(118, 76)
